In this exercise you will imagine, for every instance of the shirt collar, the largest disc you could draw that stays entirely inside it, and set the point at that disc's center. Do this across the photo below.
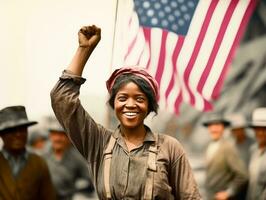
(149, 137)
(9, 156)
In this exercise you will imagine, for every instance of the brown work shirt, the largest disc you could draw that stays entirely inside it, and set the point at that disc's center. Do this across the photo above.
(173, 178)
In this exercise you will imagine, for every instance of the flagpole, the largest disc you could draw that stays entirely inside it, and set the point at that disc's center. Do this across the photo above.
(107, 117)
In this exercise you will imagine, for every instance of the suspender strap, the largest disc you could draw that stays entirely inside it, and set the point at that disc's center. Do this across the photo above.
(107, 164)
(152, 157)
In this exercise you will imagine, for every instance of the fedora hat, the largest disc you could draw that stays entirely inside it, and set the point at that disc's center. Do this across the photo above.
(237, 121)
(258, 118)
(213, 117)
(54, 125)
(14, 116)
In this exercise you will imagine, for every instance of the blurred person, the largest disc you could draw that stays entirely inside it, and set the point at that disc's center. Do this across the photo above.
(1, 143)
(130, 162)
(226, 174)
(242, 140)
(257, 166)
(23, 175)
(69, 170)
(38, 142)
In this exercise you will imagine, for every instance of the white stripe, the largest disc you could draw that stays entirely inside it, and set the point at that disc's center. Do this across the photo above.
(225, 47)
(145, 55)
(168, 65)
(205, 51)
(133, 27)
(208, 43)
(156, 37)
(173, 96)
(136, 51)
(189, 42)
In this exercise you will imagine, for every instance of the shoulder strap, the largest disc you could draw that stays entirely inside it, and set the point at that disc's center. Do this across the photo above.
(107, 164)
(151, 168)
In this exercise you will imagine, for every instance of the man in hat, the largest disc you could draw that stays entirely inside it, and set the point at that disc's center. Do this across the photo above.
(23, 175)
(242, 140)
(38, 141)
(257, 166)
(226, 174)
(66, 165)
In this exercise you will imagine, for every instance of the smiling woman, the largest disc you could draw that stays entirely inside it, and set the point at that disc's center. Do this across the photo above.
(130, 162)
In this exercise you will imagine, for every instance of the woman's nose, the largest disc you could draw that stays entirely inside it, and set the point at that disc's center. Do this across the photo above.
(130, 103)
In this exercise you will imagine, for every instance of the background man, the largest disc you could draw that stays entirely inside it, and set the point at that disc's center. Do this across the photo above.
(226, 174)
(23, 175)
(69, 170)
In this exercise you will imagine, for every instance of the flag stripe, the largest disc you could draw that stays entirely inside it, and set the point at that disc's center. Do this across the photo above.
(197, 48)
(217, 44)
(224, 50)
(189, 68)
(176, 52)
(239, 34)
(160, 66)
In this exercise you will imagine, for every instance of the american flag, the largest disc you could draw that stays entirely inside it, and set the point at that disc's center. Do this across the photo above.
(187, 45)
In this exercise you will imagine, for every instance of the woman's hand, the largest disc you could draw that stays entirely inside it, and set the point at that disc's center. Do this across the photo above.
(89, 36)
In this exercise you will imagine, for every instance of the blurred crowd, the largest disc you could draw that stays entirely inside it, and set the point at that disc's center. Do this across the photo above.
(42, 153)
(42, 163)
(235, 164)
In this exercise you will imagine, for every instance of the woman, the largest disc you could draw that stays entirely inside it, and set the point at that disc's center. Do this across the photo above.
(131, 162)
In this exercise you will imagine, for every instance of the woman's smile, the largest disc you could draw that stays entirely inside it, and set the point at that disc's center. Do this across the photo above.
(131, 105)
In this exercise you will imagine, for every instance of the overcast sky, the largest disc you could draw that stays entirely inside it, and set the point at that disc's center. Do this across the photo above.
(38, 40)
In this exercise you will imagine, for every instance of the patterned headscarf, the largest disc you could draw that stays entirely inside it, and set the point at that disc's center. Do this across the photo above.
(138, 71)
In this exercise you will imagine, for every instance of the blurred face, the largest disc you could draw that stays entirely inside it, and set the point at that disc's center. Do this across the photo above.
(15, 139)
(238, 133)
(216, 130)
(260, 133)
(131, 106)
(39, 143)
(59, 140)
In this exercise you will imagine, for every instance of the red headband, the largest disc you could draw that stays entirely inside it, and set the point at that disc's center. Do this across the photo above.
(140, 72)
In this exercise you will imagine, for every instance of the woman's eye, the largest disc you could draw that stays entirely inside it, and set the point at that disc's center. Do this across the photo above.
(140, 99)
(121, 98)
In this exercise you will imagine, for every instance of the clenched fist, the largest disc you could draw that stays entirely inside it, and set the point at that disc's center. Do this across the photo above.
(89, 36)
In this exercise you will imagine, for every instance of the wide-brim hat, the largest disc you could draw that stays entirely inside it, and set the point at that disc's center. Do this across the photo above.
(14, 116)
(212, 118)
(237, 121)
(258, 118)
(55, 126)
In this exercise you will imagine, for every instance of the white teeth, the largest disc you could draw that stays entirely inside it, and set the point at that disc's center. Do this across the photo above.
(130, 114)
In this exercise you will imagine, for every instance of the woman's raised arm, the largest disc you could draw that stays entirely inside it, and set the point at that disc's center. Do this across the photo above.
(89, 36)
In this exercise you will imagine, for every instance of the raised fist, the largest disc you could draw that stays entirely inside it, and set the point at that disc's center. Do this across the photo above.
(89, 36)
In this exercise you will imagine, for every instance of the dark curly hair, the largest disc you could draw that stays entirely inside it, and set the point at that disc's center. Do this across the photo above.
(141, 83)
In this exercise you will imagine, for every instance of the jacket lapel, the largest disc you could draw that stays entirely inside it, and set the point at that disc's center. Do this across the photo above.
(7, 182)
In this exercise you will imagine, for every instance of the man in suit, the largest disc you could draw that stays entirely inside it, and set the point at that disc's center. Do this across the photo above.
(226, 174)
(23, 175)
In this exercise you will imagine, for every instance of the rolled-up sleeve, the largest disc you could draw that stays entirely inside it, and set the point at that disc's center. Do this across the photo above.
(86, 135)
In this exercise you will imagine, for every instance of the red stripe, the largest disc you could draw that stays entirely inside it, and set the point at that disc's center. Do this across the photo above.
(131, 46)
(176, 52)
(197, 48)
(207, 106)
(142, 51)
(161, 61)
(217, 44)
(147, 36)
(178, 101)
(239, 34)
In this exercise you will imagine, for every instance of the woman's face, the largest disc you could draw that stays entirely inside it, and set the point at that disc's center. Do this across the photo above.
(131, 106)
